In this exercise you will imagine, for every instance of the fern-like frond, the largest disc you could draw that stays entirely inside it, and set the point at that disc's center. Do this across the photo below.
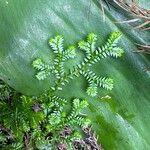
(57, 44)
(91, 39)
(75, 136)
(96, 81)
(93, 55)
(116, 52)
(57, 101)
(44, 69)
(53, 103)
(82, 122)
(70, 52)
(55, 118)
(39, 64)
(110, 48)
(104, 82)
(89, 45)
(78, 105)
(92, 90)
(83, 45)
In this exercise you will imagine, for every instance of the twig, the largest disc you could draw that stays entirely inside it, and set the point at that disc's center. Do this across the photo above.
(7, 132)
(143, 49)
(136, 11)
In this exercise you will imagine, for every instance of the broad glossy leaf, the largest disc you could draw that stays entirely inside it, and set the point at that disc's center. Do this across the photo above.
(122, 122)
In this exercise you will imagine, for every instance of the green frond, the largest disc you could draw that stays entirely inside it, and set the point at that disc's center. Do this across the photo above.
(79, 105)
(82, 122)
(110, 48)
(104, 82)
(92, 38)
(89, 45)
(84, 46)
(56, 44)
(58, 67)
(44, 69)
(74, 116)
(92, 90)
(42, 75)
(38, 64)
(55, 118)
(96, 81)
(116, 52)
(70, 52)
(58, 101)
(114, 37)
(76, 136)
(94, 54)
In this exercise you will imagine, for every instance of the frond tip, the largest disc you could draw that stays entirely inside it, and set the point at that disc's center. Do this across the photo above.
(38, 64)
(88, 46)
(57, 44)
(116, 52)
(92, 38)
(43, 68)
(111, 48)
(92, 90)
(106, 83)
(75, 117)
(84, 46)
(115, 36)
(70, 52)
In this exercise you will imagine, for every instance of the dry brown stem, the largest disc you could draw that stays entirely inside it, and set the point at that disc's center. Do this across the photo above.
(143, 48)
(139, 13)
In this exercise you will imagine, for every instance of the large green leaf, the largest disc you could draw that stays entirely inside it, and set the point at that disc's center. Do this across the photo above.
(26, 25)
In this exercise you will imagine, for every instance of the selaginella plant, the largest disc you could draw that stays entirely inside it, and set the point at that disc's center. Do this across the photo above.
(93, 55)
(43, 122)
